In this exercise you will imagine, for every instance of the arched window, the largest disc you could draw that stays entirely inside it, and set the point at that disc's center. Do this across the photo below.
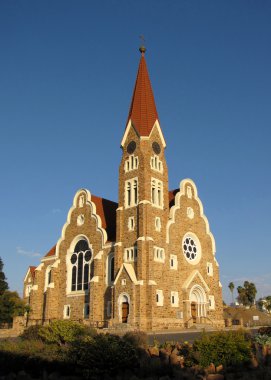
(80, 261)
(110, 269)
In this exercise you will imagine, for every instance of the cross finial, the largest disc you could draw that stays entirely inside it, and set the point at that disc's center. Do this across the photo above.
(142, 48)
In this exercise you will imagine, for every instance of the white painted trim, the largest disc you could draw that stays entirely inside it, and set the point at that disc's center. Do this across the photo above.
(144, 202)
(157, 125)
(130, 271)
(95, 279)
(99, 255)
(39, 267)
(45, 259)
(56, 263)
(177, 205)
(27, 273)
(126, 132)
(94, 215)
(152, 282)
(191, 277)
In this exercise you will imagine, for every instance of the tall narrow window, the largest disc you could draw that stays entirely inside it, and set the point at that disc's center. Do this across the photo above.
(157, 192)
(80, 261)
(131, 192)
(110, 268)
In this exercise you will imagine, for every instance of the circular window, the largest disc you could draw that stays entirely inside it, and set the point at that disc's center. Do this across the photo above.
(74, 258)
(156, 147)
(88, 255)
(131, 147)
(191, 248)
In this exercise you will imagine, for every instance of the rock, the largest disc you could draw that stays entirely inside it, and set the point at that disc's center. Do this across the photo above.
(254, 362)
(174, 359)
(211, 368)
(153, 351)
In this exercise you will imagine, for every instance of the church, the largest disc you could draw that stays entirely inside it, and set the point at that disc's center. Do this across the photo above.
(147, 262)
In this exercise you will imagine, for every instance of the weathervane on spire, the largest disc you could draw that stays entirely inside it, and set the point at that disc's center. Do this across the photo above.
(142, 48)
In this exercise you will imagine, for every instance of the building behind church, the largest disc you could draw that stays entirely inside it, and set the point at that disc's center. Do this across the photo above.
(147, 261)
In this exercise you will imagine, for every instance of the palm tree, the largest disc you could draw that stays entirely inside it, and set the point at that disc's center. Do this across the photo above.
(231, 287)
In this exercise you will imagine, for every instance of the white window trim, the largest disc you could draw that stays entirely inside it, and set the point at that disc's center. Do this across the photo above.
(175, 262)
(157, 193)
(131, 192)
(157, 223)
(131, 223)
(130, 254)
(66, 308)
(159, 254)
(160, 295)
(156, 164)
(131, 163)
(210, 269)
(211, 302)
(174, 296)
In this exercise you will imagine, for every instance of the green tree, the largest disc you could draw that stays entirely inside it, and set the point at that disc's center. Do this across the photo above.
(231, 287)
(247, 293)
(3, 282)
(265, 304)
(11, 305)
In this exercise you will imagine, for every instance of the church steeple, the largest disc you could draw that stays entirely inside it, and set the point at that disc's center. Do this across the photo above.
(143, 113)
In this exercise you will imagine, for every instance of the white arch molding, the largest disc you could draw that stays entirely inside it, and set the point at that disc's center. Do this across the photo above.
(198, 295)
(123, 297)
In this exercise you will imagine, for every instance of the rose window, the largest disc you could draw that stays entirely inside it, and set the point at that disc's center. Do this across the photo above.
(191, 248)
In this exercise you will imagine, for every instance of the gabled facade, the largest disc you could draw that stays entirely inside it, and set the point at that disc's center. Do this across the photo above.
(147, 261)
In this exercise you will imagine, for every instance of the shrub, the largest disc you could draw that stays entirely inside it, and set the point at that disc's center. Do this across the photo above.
(103, 354)
(265, 331)
(263, 339)
(226, 348)
(137, 339)
(32, 333)
(62, 332)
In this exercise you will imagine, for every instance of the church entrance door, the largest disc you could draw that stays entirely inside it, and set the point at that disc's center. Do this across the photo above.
(194, 311)
(125, 312)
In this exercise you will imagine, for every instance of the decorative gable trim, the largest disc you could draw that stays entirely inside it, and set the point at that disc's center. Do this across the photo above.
(130, 271)
(159, 130)
(172, 214)
(127, 130)
(94, 215)
(191, 277)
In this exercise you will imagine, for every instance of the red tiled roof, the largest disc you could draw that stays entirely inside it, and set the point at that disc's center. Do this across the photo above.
(51, 252)
(107, 211)
(143, 113)
(171, 197)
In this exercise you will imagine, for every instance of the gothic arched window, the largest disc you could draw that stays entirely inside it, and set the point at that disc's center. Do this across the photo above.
(80, 261)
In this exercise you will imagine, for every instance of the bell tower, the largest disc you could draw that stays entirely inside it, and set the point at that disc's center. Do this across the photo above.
(143, 197)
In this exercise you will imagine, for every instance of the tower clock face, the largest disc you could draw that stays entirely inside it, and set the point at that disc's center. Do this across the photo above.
(156, 147)
(131, 147)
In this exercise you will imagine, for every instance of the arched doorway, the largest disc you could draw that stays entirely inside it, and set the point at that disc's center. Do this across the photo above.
(124, 307)
(197, 300)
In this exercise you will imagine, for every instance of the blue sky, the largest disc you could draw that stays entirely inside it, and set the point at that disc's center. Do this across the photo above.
(67, 71)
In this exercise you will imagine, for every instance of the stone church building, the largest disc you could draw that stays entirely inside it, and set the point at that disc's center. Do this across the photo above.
(147, 261)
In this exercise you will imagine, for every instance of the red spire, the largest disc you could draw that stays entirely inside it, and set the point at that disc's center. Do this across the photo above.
(143, 112)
